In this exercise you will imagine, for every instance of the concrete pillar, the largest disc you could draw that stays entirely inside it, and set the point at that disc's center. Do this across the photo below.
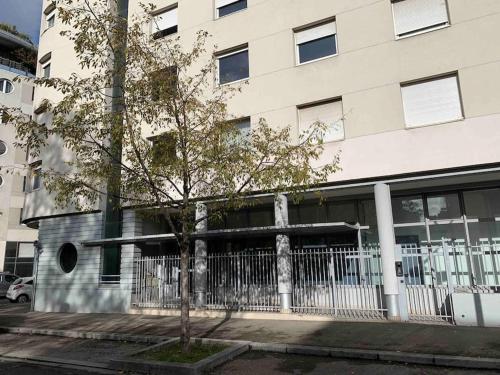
(200, 261)
(283, 253)
(387, 247)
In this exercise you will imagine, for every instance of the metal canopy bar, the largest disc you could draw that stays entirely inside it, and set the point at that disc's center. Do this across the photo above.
(228, 233)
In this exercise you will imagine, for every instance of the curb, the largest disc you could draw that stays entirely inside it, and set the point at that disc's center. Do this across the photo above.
(346, 353)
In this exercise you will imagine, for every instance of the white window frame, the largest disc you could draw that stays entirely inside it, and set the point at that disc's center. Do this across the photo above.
(44, 66)
(323, 102)
(319, 24)
(4, 85)
(419, 31)
(157, 13)
(226, 54)
(48, 17)
(430, 79)
(216, 9)
(33, 173)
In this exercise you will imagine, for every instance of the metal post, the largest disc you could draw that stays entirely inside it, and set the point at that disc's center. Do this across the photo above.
(283, 252)
(387, 247)
(200, 267)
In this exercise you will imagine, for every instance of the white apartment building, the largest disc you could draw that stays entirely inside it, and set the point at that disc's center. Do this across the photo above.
(16, 239)
(410, 228)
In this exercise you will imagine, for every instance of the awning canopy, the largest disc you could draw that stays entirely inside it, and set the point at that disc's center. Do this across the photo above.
(340, 227)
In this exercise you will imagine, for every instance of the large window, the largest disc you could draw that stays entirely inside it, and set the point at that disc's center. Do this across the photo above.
(417, 16)
(226, 7)
(111, 264)
(36, 177)
(6, 86)
(164, 23)
(164, 84)
(432, 101)
(329, 113)
(19, 258)
(316, 42)
(233, 66)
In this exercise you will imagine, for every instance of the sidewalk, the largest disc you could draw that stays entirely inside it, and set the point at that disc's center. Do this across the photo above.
(414, 338)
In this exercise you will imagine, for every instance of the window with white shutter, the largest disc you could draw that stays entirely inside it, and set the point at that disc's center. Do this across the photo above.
(316, 42)
(329, 113)
(164, 23)
(432, 101)
(226, 7)
(416, 16)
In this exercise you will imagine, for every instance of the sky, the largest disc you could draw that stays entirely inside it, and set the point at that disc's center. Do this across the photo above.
(24, 14)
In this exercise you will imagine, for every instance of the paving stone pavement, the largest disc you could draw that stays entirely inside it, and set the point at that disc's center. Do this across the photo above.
(414, 338)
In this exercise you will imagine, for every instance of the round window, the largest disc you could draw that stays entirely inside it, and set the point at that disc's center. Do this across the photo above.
(1, 180)
(3, 148)
(5, 86)
(68, 257)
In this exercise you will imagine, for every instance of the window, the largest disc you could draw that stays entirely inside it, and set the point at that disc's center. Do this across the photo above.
(36, 178)
(19, 258)
(111, 264)
(233, 66)
(444, 206)
(3, 148)
(316, 42)
(408, 209)
(6, 86)
(163, 149)
(46, 71)
(50, 19)
(432, 102)
(1, 180)
(226, 7)
(415, 16)
(329, 113)
(244, 128)
(164, 23)
(164, 83)
(68, 256)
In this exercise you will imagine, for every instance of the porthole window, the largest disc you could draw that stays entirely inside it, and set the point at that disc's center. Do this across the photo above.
(3, 148)
(1, 180)
(6, 86)
(68, 257)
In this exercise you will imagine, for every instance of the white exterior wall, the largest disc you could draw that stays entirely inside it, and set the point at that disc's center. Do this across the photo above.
(80, 290)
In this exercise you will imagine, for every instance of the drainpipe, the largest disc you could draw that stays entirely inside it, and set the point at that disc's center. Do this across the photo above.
(387, 248)
(283, 253)
(112, 218)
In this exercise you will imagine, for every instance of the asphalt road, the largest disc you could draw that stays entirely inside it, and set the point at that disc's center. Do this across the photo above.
(280, 364)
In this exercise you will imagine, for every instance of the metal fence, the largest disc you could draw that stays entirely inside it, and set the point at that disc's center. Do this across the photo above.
(341, 281)
(243, 281)
(157, 282)
(433, 273)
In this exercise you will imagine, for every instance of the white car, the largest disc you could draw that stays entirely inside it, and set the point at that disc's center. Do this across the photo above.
(21, 290)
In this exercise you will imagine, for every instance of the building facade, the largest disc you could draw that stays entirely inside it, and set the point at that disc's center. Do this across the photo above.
(409, 90)
(16, 239)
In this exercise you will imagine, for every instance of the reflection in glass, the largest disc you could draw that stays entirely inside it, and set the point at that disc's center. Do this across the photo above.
(483, 233)
(414, 236)
(482, 203)
(408, 209)
(444, 206)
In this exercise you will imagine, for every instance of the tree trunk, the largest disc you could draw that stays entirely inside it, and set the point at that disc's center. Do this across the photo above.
(185, 329)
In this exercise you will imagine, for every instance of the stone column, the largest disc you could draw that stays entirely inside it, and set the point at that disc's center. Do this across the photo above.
(387, 248)
(283, 253)
(200, 261)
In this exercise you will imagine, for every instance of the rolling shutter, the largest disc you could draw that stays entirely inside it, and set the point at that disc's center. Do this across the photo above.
(432, 102)
(165, 20)
(328, 113)
(223, 3)
(414, 15)
(316, 32)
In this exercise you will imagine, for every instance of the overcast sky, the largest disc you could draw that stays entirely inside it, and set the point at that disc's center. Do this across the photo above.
(24, 14)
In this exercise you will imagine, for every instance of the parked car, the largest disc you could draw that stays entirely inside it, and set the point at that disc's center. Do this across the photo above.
(6, 279)
(21, 290)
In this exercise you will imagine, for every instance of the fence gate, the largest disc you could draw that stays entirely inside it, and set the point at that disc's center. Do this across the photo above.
(245, 280)
(433, 273)
(341, 281)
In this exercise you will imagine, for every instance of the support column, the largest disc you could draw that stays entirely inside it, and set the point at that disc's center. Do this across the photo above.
(200, 261)
(283, 254)
(387, 247)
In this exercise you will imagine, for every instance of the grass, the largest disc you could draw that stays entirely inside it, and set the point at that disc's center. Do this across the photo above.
(173, 353)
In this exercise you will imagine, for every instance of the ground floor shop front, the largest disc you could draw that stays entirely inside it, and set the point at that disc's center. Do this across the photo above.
(412, 248)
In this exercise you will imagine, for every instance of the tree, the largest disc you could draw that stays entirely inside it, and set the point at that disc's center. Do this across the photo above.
(197, 154)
